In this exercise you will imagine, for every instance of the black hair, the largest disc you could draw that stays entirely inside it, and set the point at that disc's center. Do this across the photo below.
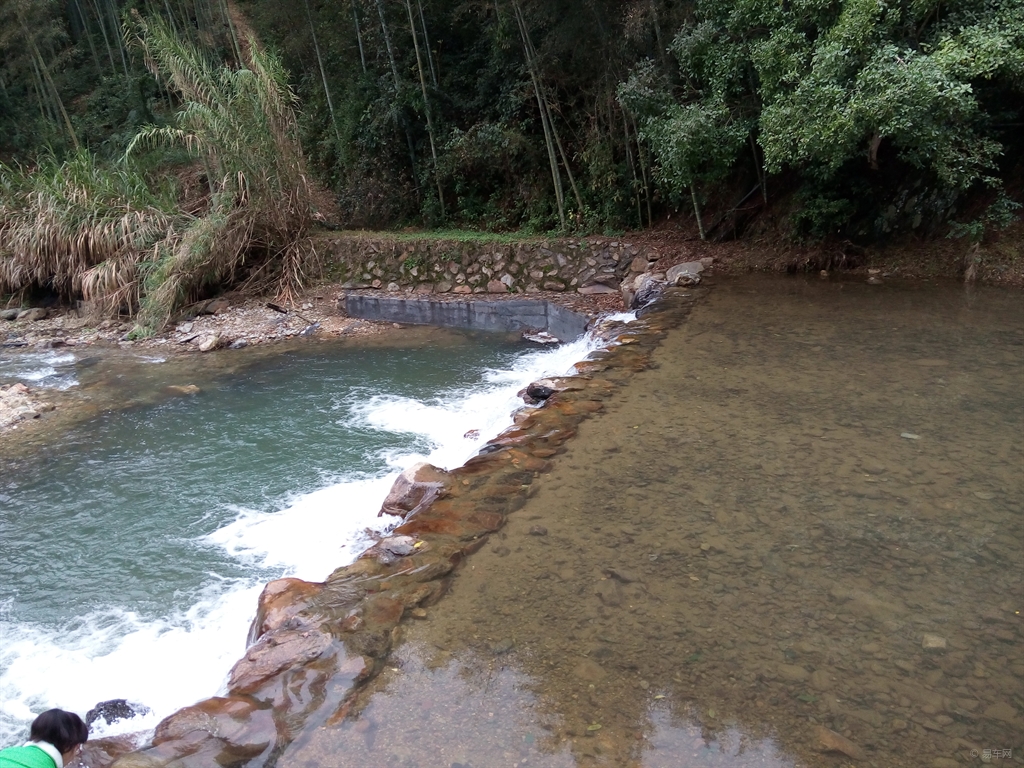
(65, 730)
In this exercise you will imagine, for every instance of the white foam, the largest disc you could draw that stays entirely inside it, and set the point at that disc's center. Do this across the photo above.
(177, 660)
(52, 370)
(113, 654)
(339, 514)
(481, 411)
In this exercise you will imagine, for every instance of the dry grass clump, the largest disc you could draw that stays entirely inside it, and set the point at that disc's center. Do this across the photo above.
(103, 233)
(79, 229)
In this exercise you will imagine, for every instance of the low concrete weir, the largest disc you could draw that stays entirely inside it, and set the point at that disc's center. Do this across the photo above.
(478, 315)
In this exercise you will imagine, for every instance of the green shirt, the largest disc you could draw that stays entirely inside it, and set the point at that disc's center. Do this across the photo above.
(29, 756)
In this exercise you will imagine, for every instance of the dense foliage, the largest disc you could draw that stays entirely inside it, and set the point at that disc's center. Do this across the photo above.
(860, 117)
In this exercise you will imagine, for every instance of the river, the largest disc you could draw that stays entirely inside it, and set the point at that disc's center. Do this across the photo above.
(136, 545)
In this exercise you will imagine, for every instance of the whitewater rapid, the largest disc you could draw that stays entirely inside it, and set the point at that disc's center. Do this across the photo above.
(177, 659)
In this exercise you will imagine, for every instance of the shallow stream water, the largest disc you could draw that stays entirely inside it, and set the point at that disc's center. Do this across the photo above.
(807, 514)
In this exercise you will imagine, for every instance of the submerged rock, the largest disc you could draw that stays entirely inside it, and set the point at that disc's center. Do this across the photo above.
(830, 741)
(115, 709)
(277, 650)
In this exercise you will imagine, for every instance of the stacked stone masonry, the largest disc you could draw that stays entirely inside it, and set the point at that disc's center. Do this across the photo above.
(592, 265)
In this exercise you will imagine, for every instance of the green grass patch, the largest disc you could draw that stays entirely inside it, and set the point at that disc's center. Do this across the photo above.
(445, 235)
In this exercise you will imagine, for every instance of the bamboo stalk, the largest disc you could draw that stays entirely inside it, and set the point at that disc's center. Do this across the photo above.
(426, 107)
(54, 92)
(323, 74)
(359, 37)
(426, 42)
(103, 32)
(120, 43)
(632, 168)
(556, 177)
(643, 174)
(398, 87)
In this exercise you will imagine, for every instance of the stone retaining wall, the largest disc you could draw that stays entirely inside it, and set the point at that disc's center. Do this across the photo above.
(506, 316)
(590, 265)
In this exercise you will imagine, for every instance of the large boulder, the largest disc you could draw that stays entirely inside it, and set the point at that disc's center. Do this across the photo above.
(645, 289)
(687, 273)
(415, 489)
(31, 315)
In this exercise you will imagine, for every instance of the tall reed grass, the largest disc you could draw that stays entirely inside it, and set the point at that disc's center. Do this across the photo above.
(109, 235)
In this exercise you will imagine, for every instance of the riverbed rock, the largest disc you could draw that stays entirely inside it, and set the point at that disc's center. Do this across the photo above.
(496, 286)
(279, 601)
(648, 289)
(1004, 712)
(277, 650)
(115, 709)
(233, 726)
(9, 314)
(933, 643)
(101, 753)
(792, 673)
(390, 549)
(210, 343)
(541, 390)
(183, 389)
(415, 489)
(830, 741)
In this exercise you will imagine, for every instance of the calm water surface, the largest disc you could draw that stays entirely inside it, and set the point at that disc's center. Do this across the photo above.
(809, 512)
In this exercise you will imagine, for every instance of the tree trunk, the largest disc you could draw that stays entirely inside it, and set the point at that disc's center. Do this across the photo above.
(696, 211)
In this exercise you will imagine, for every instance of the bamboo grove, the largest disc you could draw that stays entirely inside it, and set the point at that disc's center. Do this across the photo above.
(536, 115)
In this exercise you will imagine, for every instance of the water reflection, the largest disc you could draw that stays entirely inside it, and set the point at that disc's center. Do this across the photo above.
(430, 709)
(797, 540)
